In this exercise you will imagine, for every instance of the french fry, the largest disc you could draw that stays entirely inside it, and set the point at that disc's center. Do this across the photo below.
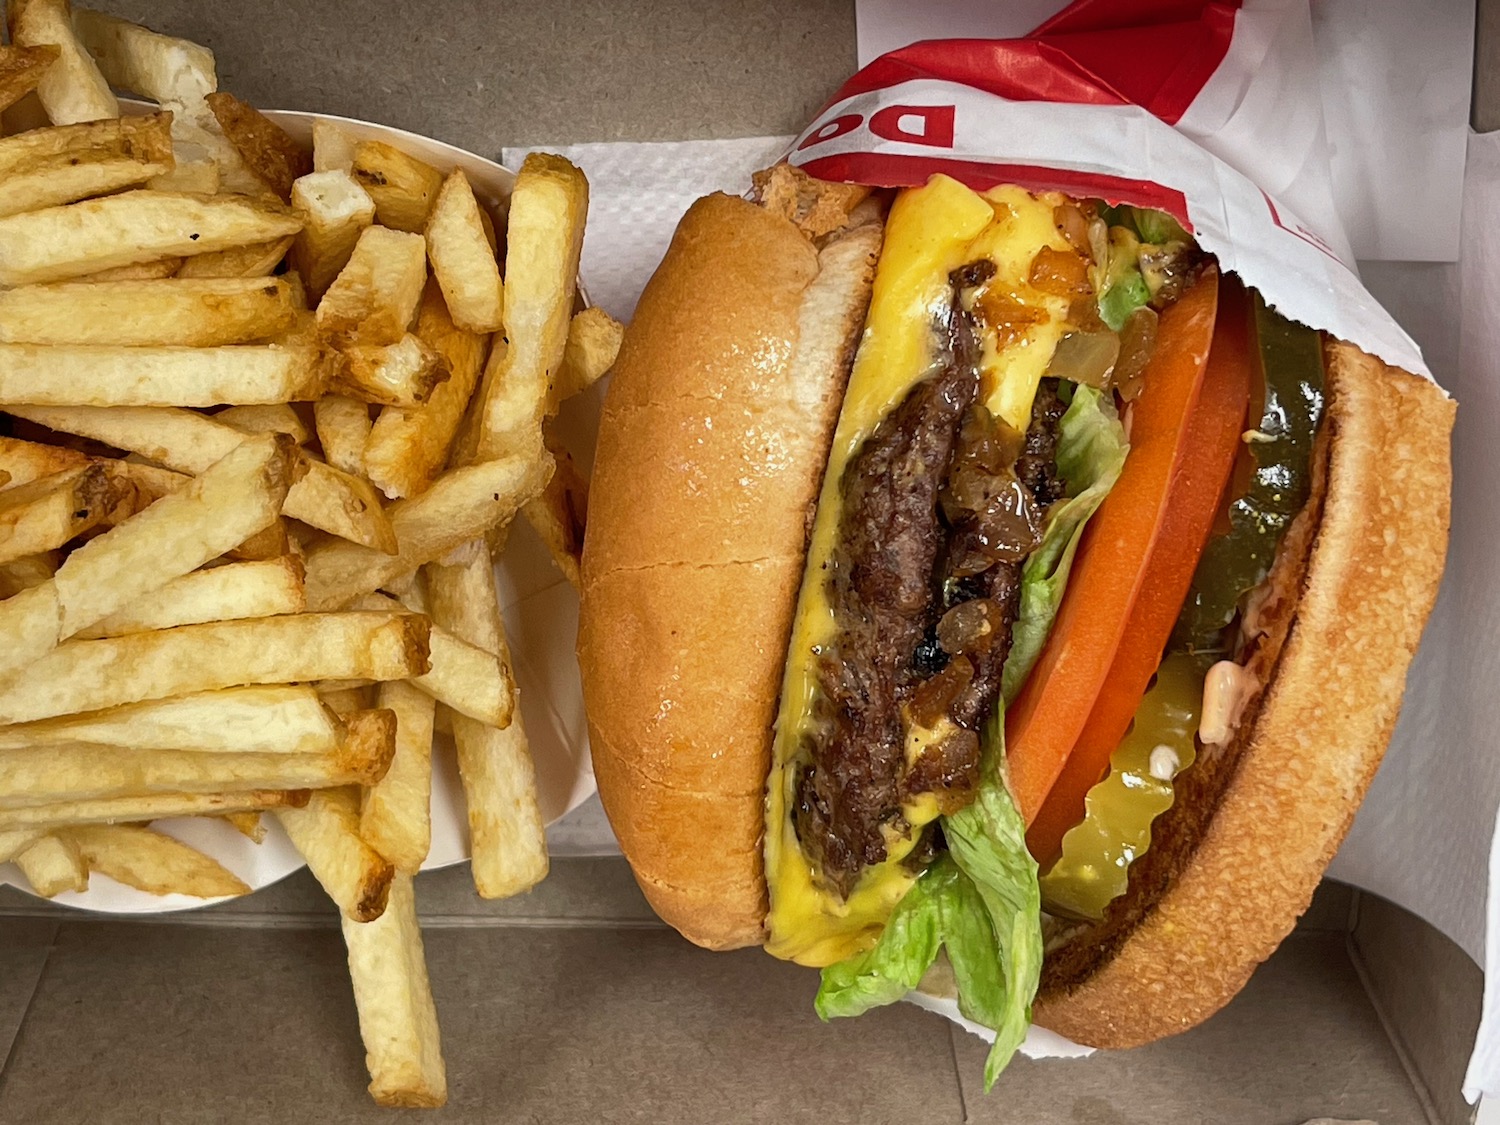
(276, 719)
(460, 505)
(342, 700)
(140, 271)
(105, 375)
(15, 841)
(401, 374)
(397, 1017)
(374, 298)
(271, 542)
(59, 243)
(506, 836)
(395, 815)
(266, 418)
(408, 446)
(27, 572)
(462, 261)
(259, 259)
(335, 210)
(324, 497)
(174, 72)
(225, 593)
(53, 864)
(403, 187)
(71, 89)
(153, 862)
(343, 426)
(248, 824)
(47, 513)
(199, 176)
(593, 343)
(131, 810)
(21, 69)
(266, 148)
(544, 237)
(559, 514)
(46, 775)
(50, 167)
(326, 833)
(333, 147)
(203, 313)
(469, 679)
(92, 675)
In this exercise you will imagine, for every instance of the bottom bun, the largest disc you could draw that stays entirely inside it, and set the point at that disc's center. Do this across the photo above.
(1208, 907)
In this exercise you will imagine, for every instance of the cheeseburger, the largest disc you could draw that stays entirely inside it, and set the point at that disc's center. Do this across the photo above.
(985, 594)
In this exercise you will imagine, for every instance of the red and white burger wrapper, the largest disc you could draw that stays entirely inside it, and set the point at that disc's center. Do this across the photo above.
(1128, 101)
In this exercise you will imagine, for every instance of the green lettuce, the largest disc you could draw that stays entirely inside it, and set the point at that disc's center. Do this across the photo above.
(1091, 452)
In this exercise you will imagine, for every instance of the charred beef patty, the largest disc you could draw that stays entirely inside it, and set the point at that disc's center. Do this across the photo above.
(942, 504)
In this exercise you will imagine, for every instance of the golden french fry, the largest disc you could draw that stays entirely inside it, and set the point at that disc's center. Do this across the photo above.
(174, 72)
(106, 375)
(266, 148)
(265, 418)
(462, 261)
(506, 835)
(59, 243)
(467, 678)
(50, 167)
(71, 89)
(27, 572)
(333, 147)
(248, 824)
(343, 428)
(460, 505)
(408, 446)
(324, 497)
(225, 593)
(326, 833)
(403, 187)
(335, 210)
(559, 514)
(593, 343)
(256, 260)
(201, 313)
(395, 815)
(375, 296)
(47, 513)
(397, 1018)
(53, 864)
(544, 237)
(15, 841)
(199, 176)
(153, 862)
(140, 271)
(21, 69)
(342, 700)
(269, 543)
(131, 810)
(92, 675)
(48, 775)
(275, 719)
(401, 374)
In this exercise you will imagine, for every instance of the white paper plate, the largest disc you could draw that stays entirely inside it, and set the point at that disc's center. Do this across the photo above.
(541, 621)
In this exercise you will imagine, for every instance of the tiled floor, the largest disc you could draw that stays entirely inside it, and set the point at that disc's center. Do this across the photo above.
(573, 1004)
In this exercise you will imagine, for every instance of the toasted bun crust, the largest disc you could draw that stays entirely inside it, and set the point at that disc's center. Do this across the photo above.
(719, 412)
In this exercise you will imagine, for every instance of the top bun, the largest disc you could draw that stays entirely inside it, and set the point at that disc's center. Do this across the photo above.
(712, 445)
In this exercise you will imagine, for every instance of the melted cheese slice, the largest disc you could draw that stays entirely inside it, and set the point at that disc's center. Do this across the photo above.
(931, 231)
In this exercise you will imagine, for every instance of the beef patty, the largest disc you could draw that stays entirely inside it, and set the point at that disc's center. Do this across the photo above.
(941, 505)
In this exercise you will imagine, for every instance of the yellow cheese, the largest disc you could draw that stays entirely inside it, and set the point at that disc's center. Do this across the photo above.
(931, 231)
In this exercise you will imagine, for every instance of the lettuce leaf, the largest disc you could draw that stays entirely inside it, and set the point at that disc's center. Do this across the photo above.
(1091, 452)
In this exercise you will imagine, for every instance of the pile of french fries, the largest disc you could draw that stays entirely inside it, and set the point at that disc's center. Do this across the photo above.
(267, 414)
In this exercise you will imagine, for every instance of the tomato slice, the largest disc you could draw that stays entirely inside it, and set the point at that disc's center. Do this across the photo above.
(1184, 524)
(1110, 577)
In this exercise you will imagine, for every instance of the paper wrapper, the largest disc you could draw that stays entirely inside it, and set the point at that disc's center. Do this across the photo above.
(541, 620)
